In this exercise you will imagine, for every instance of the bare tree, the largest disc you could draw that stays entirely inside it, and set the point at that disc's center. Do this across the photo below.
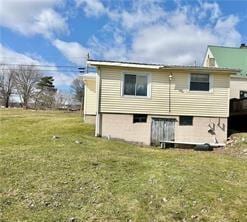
(6, 84)
(63, 100)
(59, 100)
(77, 88)
(25, 79)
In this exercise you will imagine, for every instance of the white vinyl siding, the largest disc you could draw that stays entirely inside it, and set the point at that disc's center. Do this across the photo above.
(237, 84)
(90, 97)
(183, 102)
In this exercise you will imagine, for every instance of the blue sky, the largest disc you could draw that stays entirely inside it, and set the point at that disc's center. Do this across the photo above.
(57, 33)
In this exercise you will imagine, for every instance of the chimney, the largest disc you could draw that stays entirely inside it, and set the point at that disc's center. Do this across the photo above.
(243, 46)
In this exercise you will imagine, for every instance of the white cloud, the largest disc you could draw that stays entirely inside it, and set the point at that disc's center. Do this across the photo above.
(116, 51)
(163, 44)
(31, 17)
(209, 10)
(62, 79)
(49, 22)
(91, 7)
(141, 14)
(73, 51)
(9, 56)
(226, 29)
(178, 36)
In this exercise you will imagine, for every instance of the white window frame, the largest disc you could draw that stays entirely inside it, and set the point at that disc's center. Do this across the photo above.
(211, 85)
(148, 96)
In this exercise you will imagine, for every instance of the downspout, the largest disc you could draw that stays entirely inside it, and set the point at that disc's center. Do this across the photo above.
(98, 91)
(170, 79)
(85, 100)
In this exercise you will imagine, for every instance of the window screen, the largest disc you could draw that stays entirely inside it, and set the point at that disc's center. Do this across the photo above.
(141, 85)
(199, 82)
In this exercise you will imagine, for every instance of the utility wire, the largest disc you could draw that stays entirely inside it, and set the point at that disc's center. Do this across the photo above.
(45, 70)
(19, 58)
(62, 66)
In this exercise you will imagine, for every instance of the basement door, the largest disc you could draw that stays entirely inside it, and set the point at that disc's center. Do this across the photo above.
(162, 130)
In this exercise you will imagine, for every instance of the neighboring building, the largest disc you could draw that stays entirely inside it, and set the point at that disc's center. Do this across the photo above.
(89, 97)
(230, 57)
(149, 103)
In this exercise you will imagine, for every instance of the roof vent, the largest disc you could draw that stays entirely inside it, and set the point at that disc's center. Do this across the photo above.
(243, 46)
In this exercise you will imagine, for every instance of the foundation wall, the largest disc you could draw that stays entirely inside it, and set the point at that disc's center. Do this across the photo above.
(121, 126)
(198, 132)
(91, 119)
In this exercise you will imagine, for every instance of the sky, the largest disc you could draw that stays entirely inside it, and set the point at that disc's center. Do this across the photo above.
(57, 35)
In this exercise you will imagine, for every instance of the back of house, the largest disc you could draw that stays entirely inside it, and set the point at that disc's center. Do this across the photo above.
(150, 103)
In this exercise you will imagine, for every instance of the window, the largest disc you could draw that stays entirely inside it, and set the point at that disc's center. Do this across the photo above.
(139, 118)
(135, 85)
(186, 120)
(199, 82)
(242, 94)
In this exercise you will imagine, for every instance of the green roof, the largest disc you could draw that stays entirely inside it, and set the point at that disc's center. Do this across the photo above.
(230, 57)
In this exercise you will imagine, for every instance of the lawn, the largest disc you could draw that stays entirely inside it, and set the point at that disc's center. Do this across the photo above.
(45, 179)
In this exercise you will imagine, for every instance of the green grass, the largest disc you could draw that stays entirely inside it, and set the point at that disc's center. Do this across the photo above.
(99, 180)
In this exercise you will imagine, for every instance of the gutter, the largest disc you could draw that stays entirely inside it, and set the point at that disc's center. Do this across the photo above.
(205, 69)
(118, 64)
(98, 96)
(98, 63)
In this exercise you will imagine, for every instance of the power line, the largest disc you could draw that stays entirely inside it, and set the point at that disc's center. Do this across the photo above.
(62, 66)
(74, 57)
(45, 70)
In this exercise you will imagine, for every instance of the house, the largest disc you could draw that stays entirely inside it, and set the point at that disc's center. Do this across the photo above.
(230, 57)
(149, 103)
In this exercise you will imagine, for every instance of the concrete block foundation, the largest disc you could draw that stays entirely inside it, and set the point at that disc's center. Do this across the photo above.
(121, 126)
(91, 119)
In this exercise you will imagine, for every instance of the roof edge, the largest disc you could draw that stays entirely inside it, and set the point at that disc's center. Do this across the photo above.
(122, 64)
(230, 47)
(159, 66)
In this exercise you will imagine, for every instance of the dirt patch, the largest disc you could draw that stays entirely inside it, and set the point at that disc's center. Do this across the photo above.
(236, 145)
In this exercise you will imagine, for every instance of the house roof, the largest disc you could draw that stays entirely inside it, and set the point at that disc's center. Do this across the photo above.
(158, 66)
(230, 57)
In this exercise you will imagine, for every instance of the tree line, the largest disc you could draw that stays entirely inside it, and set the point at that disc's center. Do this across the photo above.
(36, 90)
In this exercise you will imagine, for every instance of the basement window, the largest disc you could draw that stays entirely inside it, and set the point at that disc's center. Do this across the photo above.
(199, 82)
(139, 118)
(185, 120)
